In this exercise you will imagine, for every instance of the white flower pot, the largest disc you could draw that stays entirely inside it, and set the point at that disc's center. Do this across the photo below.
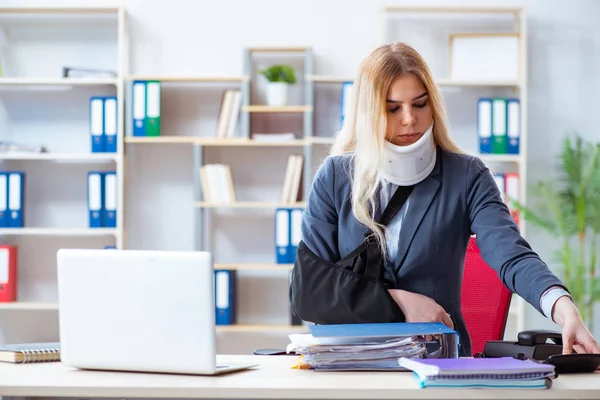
(277, 93)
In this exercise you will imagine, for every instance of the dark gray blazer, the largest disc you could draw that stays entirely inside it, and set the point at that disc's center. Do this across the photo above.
(458, 199)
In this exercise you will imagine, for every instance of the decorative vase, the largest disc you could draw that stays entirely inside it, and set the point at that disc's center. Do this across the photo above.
(277, 93)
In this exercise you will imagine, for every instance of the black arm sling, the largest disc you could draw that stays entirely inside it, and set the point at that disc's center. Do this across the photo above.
(349, 290)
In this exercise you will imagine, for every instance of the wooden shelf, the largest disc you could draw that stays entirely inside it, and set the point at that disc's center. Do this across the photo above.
(81, 157)
(91, 232)
(213, 141)
(512, 158)
(28, 305)
(256, 266)
(188, 79)
(62, 82)
(329, 78)
(58, 10)
(249, 204)
(452, 82)
(281, 109)
(321, 140)
(261, 328)
(459, 9)
(298, 49)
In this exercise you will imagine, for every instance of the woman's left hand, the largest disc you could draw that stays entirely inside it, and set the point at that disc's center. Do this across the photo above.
(575, 335)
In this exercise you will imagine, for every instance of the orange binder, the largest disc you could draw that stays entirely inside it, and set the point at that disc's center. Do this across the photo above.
(8, 273)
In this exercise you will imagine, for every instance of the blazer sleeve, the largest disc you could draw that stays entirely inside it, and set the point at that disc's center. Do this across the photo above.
(500, 242)
(320, 219)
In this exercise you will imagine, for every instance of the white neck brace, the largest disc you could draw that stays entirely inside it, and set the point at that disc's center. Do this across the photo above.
(409, 165)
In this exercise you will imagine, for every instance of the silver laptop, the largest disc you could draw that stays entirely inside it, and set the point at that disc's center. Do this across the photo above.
(135, 310)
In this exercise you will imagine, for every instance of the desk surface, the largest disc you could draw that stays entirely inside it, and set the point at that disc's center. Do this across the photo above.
(272, 379)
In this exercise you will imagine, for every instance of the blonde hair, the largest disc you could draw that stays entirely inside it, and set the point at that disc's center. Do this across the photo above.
(365, 123)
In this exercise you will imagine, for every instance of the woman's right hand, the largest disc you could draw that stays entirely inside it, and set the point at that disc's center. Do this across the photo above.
(419, 308)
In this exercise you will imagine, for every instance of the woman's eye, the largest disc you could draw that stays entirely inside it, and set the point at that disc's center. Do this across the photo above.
(393, 110)
(420, 105)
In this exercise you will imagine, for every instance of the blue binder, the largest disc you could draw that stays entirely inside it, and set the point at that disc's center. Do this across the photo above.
(97, 124)
(283, 247)
(4, 213)
(295, 233)
(15, 199)
(139, 108)
(95, 199)
(513, 110)
(110, 200)
(109, 247)
(225, 297)
(346, 97)
(110, 124)
(484, 125)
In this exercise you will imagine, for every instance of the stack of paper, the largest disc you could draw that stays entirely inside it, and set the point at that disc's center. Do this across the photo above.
(504, 372)
(328, 355)
(370, 346)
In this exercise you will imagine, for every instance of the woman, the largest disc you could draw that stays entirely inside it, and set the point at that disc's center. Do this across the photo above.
(395, 135)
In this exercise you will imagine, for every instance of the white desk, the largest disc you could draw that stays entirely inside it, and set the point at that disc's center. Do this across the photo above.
(273, 379)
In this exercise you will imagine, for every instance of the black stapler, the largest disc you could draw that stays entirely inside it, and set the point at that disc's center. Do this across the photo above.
(534, 345)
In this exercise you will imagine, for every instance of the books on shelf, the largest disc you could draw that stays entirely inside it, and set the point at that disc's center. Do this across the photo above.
(217, 184)
(25, 353)
(499, 125)
(231, 103)
(293, 178)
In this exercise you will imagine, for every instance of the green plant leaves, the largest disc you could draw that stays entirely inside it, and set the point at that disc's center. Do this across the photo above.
(279, 73)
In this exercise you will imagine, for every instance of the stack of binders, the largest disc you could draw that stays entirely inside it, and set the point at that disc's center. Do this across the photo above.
(499, 125)
(11, 199)
(146, 108)
(102, 199)
(103, 124)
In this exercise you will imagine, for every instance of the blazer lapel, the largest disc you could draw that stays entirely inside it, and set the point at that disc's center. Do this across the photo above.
(419, 202)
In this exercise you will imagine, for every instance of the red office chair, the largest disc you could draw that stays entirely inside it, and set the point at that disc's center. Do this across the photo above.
(485, 300)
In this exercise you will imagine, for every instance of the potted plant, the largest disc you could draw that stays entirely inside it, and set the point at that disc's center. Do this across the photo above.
(279, 77)
(569, 209)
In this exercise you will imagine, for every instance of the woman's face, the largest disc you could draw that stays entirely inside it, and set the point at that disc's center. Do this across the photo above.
(408, 110)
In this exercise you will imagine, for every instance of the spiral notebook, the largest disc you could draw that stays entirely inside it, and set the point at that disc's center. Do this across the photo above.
(480, 372)
(25, 353)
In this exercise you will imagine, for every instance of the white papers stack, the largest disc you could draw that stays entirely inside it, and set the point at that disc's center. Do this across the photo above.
(353, 353)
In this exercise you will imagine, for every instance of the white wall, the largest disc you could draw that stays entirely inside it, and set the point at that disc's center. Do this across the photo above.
(207, 38)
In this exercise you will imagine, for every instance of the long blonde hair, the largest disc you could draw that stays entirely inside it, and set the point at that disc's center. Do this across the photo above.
(365, 123)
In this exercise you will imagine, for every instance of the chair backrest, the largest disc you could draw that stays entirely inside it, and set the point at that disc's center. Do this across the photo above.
(485, 300)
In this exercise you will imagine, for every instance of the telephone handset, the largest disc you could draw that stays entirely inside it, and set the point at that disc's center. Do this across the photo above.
(534, 345)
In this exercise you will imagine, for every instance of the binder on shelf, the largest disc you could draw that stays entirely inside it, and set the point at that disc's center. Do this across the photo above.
(97, 124)
(513, 112)
(501, 182)
(95, 199)
(15, 199)
(499, 128)
(225, 284)
(484, 125)
(288, 232)
(110, 247)
(282, 236)
(512, 193)
(8, 273)
(152, 108)
(139, 108)
(110, 200)
(346, 98)
(110, 124)
(4, 214)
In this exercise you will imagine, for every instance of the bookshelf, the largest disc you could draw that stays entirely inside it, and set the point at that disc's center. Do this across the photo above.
(47, 122)
(449, 21)
(45, 86)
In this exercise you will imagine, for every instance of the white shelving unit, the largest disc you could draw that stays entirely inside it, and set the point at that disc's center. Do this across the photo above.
(481, 20)
(42, 108)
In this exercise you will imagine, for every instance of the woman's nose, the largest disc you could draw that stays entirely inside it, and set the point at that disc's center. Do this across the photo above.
(408, 118)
